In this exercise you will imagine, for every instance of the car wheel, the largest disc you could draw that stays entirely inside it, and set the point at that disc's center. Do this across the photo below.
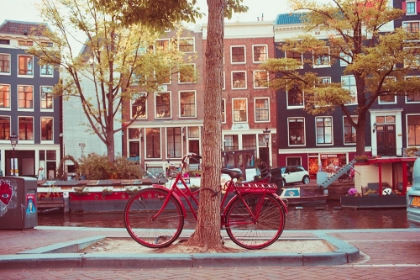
(305, 180)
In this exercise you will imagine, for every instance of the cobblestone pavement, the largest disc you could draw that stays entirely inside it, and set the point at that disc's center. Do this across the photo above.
(385, 254)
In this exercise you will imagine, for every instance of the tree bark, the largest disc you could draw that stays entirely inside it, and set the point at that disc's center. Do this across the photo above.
(207, 232)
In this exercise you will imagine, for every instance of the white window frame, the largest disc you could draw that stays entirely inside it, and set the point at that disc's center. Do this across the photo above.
(233, 82)
(323, 80)
(187, 39)
(141, 94)
(254, 53)
(33, 66)
(415, 7)
(418, 57)
(180, 105)
(6, 130)
(346, 57)
(380, 102)
(27, 141)
(33, 99)
(194, 78)
(255, 109)
(161, 40)
(295, 106)
(255, 80)
(289, 136)
(52, 129)
(324, 134)
(10, 96)
(233, 110)
(10, 65)
(409, 30)
(48, 66)
(351, 88)
(314, 57)
(406, 97)
(224, 80)
(170, 105)
(41, 98)
(408, 132)
(231, 54)
(301, 57)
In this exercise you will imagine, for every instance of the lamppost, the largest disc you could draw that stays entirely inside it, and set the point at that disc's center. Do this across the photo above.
(13, 141)
(267, 140)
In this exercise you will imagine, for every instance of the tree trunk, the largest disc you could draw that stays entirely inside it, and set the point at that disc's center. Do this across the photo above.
(207, 232)
(361, 133)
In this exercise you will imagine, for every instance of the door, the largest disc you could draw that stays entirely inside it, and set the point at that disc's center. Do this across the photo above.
(386, 139)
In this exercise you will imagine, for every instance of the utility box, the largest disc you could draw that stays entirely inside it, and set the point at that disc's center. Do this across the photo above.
(18, 202)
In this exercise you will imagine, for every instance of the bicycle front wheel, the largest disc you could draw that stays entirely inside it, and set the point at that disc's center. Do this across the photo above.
(144, 226)
(259, 231)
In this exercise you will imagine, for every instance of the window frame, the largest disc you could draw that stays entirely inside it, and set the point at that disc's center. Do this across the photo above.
(28, 109)
(192, 45)
(42, 129)
(177, 144)
(142, 96)
(350, 87)
(48, 97)
(32, 66)
(180, 104)
(407, 101)
(223, 110)
(352, 132)
(414, 3)
(47, 67)
(289, 134)
(255, 81)
(20, 134)
(232, 73)
(153, 131)
(168, 105)
(2, 63)
(6, 108)
(324, 135)
(292, 56)
(191, 80)
(236, 55)
(239, 110)
(322, 65)
(416, 144)
(295, 106)
(256, 110)
(254, 53)
(5, 128)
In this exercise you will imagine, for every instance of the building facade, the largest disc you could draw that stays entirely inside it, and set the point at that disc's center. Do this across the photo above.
(27, 107)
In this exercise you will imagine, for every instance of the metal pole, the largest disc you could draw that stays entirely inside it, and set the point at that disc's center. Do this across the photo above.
(13, 161)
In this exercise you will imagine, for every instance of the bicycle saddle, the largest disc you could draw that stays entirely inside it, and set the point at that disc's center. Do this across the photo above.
(234, 173)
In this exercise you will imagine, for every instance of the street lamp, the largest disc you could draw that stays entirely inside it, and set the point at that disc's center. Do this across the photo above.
(267, 140)
(13, 141)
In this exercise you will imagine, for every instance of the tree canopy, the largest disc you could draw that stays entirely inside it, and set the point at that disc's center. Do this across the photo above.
(116, 59)
(361, 36)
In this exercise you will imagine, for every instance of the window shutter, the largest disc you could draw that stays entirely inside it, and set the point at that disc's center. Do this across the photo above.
(417, 7)
(404, 6)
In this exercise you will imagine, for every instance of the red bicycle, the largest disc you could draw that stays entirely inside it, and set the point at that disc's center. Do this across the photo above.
(253, 218)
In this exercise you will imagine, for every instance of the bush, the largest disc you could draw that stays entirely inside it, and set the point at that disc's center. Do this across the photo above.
(96, 167)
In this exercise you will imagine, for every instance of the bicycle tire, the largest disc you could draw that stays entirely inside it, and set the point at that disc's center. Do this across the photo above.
(255, 235)
(162, 231)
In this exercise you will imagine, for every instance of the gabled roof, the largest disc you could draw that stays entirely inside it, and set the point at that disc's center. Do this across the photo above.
(12, 27)
(289, 18)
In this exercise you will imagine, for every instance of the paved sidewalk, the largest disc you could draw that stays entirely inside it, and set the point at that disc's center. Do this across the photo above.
(379, 254)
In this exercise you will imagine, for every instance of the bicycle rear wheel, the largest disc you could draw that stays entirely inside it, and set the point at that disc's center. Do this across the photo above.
(151, 232)
(255, 234)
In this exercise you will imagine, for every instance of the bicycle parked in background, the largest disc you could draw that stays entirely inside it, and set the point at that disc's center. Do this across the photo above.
(253, 218)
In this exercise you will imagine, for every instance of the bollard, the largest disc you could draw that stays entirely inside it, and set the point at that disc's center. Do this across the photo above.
(66, 202)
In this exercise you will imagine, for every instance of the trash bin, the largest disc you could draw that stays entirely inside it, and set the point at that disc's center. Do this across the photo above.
(18, 202)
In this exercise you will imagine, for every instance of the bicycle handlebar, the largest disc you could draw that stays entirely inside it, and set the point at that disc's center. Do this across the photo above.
(191, 155)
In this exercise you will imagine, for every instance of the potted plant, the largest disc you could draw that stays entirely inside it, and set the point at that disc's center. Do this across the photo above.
(411, 151)
(361, 158)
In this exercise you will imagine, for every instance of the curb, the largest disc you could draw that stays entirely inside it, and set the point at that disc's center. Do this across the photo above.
(64, 255)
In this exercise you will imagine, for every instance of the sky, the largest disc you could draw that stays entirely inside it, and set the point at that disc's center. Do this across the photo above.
(24, 10)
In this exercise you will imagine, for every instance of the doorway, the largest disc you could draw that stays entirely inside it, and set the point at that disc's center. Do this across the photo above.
(385, 139)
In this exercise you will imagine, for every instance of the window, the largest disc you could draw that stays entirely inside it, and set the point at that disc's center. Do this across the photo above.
(294, 98)
(187, 73)
(238, 80)
(138, 107)
(223, 111)
(323, 130)
(162, 44)
(25, 97)
(319, 99)
(134, 136)
(4, 42)
(413, 129)
(46, 97)
(187, 104)
(296, 127)
(240, 110)
(47, 44)
(296, 56)
(259, 53)
(410, 7)
(412, 97)
(46, 128)
(26, 65)
(412, 57)
(237, 54)
(224, 80)
(4, 96)
(249, 143)
(260, 79)
(412, 27)
(349, 83)
(163, 105)
(4, 128)
(321, 57)
(163, 75)
(186, 45)
(24, 43)
(47, 70)
(26, 128)
(152, 142)
(262, 110)
(4, 63)
(174, 142)
(387, 98)
(345, 59)
(349, 131)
